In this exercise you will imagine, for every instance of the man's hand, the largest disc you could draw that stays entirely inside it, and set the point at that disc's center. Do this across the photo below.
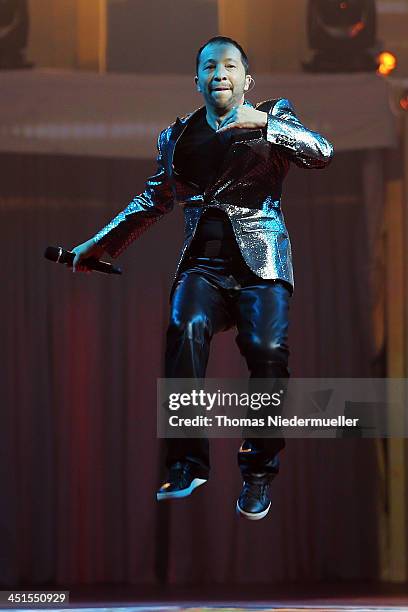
(83, 251)
(243, 117)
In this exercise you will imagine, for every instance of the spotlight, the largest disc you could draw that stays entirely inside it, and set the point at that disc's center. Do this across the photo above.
(14, 25)
(342, 35)
(398, 97)
(403, 101)
(387, 62)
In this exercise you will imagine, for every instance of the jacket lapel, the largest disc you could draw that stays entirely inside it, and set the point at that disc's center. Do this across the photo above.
(181, 123)
(176, 131)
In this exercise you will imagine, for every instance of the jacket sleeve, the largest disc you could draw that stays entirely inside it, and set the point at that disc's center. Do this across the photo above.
(145, 209)
(305, 148)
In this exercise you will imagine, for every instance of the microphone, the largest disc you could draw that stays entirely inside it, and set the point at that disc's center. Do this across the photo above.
(60, 255)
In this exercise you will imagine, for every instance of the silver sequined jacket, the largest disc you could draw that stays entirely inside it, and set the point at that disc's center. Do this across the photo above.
(248, 189)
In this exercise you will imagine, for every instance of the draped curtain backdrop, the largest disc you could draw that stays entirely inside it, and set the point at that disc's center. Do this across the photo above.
(80, 461)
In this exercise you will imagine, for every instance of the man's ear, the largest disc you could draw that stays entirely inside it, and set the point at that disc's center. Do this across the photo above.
(196, 82)
(248, 80)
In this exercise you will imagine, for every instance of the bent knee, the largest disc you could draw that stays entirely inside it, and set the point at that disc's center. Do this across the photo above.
(196, 328)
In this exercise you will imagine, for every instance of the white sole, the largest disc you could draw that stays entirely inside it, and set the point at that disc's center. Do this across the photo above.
(251, 515)
(197, 482)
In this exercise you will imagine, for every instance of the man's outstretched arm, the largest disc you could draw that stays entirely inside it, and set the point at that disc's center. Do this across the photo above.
(145, 209)
(304, 147)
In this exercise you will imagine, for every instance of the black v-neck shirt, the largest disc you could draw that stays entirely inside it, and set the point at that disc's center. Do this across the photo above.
(200, 152)
(198, 158)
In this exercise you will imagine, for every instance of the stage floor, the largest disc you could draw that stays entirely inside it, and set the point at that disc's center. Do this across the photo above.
(273, 606)
(326, 605)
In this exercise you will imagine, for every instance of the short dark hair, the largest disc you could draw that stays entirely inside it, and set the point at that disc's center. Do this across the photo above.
(225, 40)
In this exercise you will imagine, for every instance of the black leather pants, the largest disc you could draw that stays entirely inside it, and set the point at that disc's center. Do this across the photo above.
(212, 295)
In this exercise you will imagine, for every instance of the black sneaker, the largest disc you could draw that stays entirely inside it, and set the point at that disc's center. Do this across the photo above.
(255, 501)
(181, 483)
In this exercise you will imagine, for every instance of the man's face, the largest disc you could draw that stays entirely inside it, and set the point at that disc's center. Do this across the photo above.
(221, 76)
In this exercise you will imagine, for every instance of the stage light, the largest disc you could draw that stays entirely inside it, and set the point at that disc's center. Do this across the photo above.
(403, 101)
(342, 35)
(14, 24)
(387, 62)
(398, 97)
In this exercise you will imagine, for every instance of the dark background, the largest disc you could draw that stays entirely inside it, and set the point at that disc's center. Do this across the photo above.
(83, 352)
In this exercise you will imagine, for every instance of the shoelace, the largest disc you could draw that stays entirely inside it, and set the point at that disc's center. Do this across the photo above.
(179, 472)
(256, 490)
